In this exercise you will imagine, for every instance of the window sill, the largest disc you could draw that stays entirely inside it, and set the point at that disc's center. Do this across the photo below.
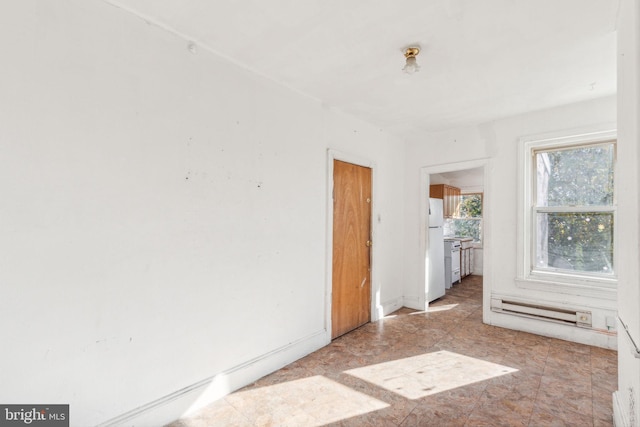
(605, 289)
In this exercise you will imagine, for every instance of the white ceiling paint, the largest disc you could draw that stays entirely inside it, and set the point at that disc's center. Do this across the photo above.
(481, 59)
(460, 178)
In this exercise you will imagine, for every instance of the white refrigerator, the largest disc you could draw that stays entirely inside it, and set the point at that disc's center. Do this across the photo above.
(435, 258)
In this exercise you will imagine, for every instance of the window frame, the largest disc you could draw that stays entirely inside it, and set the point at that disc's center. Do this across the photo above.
(557, 280)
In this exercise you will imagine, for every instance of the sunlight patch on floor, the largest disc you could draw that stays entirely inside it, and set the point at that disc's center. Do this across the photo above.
(312, 401)
(426, 374)
(433, 309)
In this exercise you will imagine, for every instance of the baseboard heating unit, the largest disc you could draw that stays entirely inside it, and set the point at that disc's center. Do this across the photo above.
(553, 314)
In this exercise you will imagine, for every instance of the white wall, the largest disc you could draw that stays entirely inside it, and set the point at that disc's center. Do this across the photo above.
(497, 142)
(163, 216)
(626, 400)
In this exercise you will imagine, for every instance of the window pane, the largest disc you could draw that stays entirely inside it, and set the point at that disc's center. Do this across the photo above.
(464, 228)
(470, 206)
(581, 176)
(580, 242)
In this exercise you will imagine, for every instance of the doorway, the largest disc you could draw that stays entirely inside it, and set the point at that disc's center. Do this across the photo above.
(469, 177)
(351, 248)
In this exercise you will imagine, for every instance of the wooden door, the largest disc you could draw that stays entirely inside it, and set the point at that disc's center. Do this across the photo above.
(351, 281)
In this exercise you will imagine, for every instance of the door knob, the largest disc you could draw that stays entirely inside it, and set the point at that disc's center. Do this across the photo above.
(369, 243)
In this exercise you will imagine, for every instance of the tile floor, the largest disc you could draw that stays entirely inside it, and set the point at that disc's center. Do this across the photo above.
(437, 368)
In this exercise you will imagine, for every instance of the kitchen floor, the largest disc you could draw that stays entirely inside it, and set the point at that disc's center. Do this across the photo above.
(442, 367)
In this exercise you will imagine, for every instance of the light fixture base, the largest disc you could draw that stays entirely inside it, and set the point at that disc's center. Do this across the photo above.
(411, 65)
(411, 52)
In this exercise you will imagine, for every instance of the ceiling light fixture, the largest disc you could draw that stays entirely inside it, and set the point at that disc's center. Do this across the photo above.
(411, 65)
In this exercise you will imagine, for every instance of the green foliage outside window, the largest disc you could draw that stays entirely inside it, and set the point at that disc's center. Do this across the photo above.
(467, 221)
(581, 241)
(571, 233)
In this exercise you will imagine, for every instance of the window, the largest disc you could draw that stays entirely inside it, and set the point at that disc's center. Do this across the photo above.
(571, 209)
(467, 219)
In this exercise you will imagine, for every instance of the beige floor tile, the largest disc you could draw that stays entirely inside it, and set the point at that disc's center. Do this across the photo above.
(442, 367)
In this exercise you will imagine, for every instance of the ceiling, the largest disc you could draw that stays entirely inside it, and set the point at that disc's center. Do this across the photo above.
(480, 60)
(460, 178)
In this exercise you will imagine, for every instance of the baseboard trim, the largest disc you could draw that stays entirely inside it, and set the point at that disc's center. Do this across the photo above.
(391, 306)
(234, 378)
(585, 336)
(413, 302)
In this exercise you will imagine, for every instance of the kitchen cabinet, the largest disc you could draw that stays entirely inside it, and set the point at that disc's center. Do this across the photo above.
(450, 198)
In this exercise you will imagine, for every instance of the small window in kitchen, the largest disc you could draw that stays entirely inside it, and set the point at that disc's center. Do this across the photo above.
(569, 209)
(467, 219)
